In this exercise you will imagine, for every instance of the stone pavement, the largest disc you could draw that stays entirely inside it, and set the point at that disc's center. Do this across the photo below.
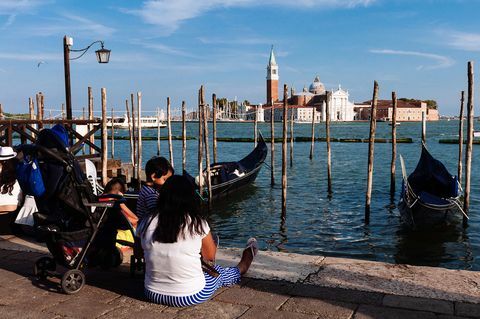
(279, 285)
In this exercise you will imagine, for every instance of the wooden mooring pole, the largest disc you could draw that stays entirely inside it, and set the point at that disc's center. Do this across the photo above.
(169, 123)
(139, 137)
(31, 109)
(284, 153)
(460, 138)
(394, 145)
(291, 137)
(469, 150)
(272, 144)
(371, 144)
(184, 138)
(329, 149)
(104, 136)
(214, 127)
(158, 131)
(112, 130)
(134, 137)
(130, 134)
(207, 150)
(255, 127)
(312, 145)
(200, 141)
(90, 117)
(424, 128)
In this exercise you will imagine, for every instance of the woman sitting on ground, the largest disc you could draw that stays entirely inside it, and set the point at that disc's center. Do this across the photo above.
(10, 192)
(174, 239)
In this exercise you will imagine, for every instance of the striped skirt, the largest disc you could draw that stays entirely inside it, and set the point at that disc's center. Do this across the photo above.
(228, 277)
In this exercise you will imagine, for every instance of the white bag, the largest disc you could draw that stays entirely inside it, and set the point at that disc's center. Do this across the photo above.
(25, 214)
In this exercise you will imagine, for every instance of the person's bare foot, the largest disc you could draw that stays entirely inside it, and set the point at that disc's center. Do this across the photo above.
(247, 255)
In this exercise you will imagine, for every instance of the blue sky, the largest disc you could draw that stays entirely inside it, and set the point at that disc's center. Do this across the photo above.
(169, 48)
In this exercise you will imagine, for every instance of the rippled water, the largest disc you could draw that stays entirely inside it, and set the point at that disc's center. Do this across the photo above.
(334, 227)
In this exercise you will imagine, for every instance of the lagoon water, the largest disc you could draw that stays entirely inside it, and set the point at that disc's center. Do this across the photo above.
(333, 227)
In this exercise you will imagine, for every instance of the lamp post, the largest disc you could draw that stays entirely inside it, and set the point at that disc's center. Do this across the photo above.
(103, 56)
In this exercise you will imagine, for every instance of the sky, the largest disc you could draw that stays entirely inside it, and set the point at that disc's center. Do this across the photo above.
(418, 48)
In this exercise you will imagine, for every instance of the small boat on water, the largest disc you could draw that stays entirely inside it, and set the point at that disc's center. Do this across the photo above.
(430, 194)
(228, 177)
(145, 122)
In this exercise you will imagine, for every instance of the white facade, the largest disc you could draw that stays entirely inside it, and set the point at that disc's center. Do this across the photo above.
(341, 109)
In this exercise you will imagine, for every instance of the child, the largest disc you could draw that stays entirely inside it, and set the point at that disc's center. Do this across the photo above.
(175, 239)
(114, 191)
(157, 171)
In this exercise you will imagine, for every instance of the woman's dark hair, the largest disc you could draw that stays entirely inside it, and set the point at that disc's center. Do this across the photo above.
(114, 181)
(176, 208)
(8, 176)
(159, 166)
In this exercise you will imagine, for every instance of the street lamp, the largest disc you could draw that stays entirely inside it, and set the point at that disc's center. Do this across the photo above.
(103, 56)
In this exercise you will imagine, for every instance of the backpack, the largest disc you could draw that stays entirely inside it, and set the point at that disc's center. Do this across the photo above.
(29, 177)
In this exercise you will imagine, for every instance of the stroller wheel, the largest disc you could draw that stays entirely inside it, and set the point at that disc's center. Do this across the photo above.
(73, 281)
(42, 266)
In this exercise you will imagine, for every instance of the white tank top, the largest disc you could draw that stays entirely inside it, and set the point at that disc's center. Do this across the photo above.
(14, 199)
(173, 269)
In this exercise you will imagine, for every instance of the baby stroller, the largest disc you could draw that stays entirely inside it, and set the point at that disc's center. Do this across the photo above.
(77, 229)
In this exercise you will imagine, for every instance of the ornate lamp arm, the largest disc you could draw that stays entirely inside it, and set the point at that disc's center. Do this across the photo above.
(84, 50)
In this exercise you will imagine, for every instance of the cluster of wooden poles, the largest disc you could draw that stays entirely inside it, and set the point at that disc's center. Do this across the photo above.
(469, 143)
(135, 137)
(368, 196)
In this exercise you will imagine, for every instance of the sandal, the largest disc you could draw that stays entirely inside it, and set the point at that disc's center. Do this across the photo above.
(253, 245)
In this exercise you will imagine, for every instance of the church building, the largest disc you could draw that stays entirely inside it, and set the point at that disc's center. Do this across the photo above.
(308, 103)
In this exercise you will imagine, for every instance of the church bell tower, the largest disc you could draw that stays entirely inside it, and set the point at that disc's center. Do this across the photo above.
(272, 79)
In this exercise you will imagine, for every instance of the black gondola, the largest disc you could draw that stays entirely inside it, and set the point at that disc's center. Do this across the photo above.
(230, 176)
(430, 195)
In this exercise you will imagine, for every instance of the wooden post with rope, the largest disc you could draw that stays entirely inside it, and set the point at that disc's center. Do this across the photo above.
(207, 150)
(139, 137)
(424, 128)
(184, 138)
(291, 136)
(469, 149)
(284, 153)
(272, 144)
(394, 145)
(460, 139)
(90, 117)
(134, 138)
(200, 142)
(130, 134)
(371, 145)
(329, 150)
(158, 131)
(313, 133)
(104, 136)
(214, 127)
(169, 123)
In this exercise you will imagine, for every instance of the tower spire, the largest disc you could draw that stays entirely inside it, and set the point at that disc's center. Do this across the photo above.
(272, 60)
(272, 78)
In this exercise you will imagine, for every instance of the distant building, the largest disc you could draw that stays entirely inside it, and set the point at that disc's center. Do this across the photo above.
(406, 111)
(341, 109)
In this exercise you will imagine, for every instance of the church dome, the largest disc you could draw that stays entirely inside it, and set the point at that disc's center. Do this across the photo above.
(317, 87)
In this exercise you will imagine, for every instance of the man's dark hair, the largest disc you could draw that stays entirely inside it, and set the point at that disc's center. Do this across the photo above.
(159, 166)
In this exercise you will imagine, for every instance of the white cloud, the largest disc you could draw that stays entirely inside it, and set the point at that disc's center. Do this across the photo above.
(12, 8)
(441, 61)
(162, 48)
(169, 14)
(239, 41)
(8, 7)
(37, 57)
(461, 40)
(70, 23)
